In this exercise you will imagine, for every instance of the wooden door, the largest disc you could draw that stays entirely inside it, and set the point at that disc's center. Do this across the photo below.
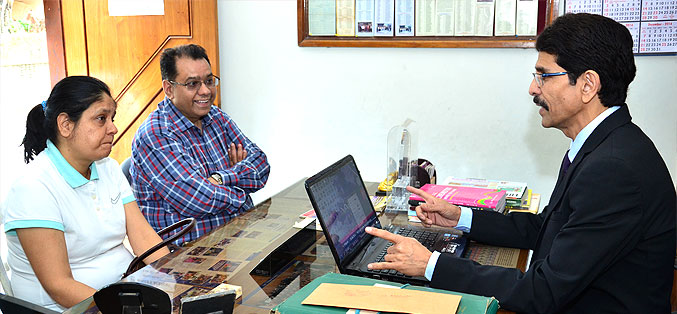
(124, 51)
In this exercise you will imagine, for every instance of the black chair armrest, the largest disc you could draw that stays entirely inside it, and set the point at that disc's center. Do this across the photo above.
(137, 297)
(188, 222)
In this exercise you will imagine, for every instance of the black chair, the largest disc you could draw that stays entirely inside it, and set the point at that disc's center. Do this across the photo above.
(125, 169)
(132, 297)
(213, 303)
(137, 262)
(9, 304)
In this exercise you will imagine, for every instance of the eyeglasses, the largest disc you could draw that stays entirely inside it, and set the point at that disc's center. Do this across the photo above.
(194, 85)
(539, 77)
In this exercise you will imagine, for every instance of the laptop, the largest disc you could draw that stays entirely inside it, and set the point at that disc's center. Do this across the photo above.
(344, 209)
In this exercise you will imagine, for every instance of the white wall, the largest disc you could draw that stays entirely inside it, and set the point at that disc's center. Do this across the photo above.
(308, 107)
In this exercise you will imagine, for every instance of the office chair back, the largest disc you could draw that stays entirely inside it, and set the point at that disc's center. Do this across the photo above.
(4, 267)
(137, 262)
(4, 280)
(125, 165)
(10, 304)
(4, 277)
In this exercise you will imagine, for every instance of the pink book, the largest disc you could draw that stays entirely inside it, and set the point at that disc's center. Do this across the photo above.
(466, 196)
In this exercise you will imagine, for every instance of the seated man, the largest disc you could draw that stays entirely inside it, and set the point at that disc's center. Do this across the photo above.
(189, 158)
(606, 241)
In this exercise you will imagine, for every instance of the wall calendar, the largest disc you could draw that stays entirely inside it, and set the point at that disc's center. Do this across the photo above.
(652, 23)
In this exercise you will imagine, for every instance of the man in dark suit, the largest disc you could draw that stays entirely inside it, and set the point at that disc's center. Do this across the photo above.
(606, 241)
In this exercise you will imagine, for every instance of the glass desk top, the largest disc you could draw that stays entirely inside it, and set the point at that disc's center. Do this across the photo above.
(230, 253)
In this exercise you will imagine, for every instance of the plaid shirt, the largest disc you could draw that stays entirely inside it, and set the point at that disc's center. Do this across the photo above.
(172, 160)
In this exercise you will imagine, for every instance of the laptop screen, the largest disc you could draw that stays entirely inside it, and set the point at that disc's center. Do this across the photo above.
(344, 205)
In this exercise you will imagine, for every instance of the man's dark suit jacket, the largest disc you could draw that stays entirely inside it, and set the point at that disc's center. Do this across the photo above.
(604, 244)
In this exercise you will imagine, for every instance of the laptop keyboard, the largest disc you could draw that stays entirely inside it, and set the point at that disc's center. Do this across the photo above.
(426, 238)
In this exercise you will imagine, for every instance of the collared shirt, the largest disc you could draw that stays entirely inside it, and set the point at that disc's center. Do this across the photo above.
(90, 213)
(172, 160)
(583, 135)
(465, 220)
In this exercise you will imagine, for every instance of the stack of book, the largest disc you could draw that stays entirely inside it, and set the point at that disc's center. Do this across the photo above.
(472, 197)
(530, 206)
(517, 194)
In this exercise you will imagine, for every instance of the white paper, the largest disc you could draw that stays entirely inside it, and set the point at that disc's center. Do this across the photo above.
(425, 17)
(345, 18)
(622, 10)
(321, 17)
(659, 36)
(135, 7)
(364, 17)
(504, 24)
(404, 17)
(384, 17)
(527, 17)
(444, 17)
(633, 27)
(464, 21)
(484, 18)
(653, 10)
(580, 6)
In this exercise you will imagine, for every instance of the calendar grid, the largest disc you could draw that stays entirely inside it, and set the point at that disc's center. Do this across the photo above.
(652, 23)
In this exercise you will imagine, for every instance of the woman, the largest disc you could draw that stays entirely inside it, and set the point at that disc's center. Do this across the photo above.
(67, 216)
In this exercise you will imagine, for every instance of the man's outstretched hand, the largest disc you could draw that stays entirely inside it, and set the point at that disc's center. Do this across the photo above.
(406, 255)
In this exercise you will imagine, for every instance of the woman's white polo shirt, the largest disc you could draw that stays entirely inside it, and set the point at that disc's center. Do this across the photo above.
(52, 194)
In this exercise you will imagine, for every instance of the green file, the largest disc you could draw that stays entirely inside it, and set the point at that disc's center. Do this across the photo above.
(470, 304)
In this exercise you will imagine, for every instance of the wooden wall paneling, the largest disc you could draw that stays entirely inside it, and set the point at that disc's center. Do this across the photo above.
(135, 79)
(75, 42)
(123, 146)
(129, 42)
(55, 48)
(140, 97)
(124, 52)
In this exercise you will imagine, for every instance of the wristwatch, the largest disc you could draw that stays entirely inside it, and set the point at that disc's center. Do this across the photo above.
(217, 177)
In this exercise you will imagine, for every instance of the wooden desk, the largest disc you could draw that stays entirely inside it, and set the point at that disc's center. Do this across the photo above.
(230, 252)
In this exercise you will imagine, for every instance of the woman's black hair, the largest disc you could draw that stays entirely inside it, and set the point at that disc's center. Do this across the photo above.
(72, 96)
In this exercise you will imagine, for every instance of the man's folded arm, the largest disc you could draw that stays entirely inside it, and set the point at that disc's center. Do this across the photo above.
(170, 172)
(250, 174)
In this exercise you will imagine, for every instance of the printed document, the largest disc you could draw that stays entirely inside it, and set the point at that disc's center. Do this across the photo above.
(425, 17)
(445, 17)
(464, 21)
(345, 18)
(364, 17)
(321, 17)
(383, 17)
(484, 18)
(505, 18)
(527, 17)
(404, 17)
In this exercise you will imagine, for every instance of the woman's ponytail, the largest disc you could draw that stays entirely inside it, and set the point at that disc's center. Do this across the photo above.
(36, 136)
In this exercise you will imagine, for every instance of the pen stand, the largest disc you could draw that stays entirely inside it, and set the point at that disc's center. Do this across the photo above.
(425, 173)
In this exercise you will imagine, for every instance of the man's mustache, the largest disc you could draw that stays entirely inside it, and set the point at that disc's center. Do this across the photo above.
(541, 102)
